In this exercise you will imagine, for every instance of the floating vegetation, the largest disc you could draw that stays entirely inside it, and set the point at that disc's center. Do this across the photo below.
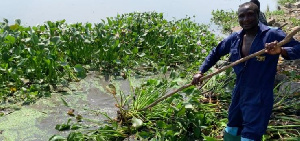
(35, 60)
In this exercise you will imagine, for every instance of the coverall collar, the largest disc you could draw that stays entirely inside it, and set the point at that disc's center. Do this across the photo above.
(261, 29)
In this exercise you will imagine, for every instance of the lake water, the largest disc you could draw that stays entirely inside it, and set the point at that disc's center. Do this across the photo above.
(33, 12)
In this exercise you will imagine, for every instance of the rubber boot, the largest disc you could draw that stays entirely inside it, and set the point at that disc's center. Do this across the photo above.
(229, 137)
(246, 139)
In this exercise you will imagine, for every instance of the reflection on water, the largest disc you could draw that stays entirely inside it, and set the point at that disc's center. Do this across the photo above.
(33, 12)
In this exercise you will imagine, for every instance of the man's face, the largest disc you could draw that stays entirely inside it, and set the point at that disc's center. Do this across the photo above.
(248, 17)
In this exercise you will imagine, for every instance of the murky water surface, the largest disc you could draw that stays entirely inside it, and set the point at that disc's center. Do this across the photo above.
(37, 122)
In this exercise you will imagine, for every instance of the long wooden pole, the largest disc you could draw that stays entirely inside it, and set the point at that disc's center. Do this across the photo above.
(280, 44)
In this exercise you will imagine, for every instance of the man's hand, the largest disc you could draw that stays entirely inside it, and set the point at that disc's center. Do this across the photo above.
(271, 48)
(196, 78)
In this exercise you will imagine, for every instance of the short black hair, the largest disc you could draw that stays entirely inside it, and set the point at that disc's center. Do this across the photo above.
(256, 2)
(251, 4)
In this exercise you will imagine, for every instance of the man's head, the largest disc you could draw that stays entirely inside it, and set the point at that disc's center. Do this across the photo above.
(248, 15)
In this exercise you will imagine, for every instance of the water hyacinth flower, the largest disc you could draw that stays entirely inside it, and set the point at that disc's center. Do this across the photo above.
(199, 43)
(203, 51)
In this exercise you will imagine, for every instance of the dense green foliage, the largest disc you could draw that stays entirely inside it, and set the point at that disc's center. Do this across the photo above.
(35, 58)
(225, 19)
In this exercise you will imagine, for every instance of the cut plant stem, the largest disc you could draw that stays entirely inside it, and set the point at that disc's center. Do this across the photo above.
(280, 44)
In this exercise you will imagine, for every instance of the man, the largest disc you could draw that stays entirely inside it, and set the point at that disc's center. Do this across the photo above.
(252, 97)
(261, 16)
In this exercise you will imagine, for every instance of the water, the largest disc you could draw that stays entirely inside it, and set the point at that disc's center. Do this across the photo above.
(33, 12)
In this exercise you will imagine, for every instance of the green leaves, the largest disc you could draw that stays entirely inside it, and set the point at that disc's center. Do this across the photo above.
(210, 138)
(62, 127)
(80, 71)
(55, 39)
(57, 138)
(18, 22)
(65, 102)
(225, 19)
(10, 39)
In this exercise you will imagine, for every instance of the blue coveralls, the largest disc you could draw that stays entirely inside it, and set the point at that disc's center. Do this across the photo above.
(252, 97)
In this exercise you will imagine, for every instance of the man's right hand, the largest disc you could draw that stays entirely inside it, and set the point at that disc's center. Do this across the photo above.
(196, 78)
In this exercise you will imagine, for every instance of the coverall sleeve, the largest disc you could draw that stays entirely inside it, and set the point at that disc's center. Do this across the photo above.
(216, 53)
(292, 48)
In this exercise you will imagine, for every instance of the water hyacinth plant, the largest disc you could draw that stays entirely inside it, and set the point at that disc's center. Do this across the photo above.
(37, 59)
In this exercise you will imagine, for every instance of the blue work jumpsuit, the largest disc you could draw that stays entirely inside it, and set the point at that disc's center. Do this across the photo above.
(252, 97)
